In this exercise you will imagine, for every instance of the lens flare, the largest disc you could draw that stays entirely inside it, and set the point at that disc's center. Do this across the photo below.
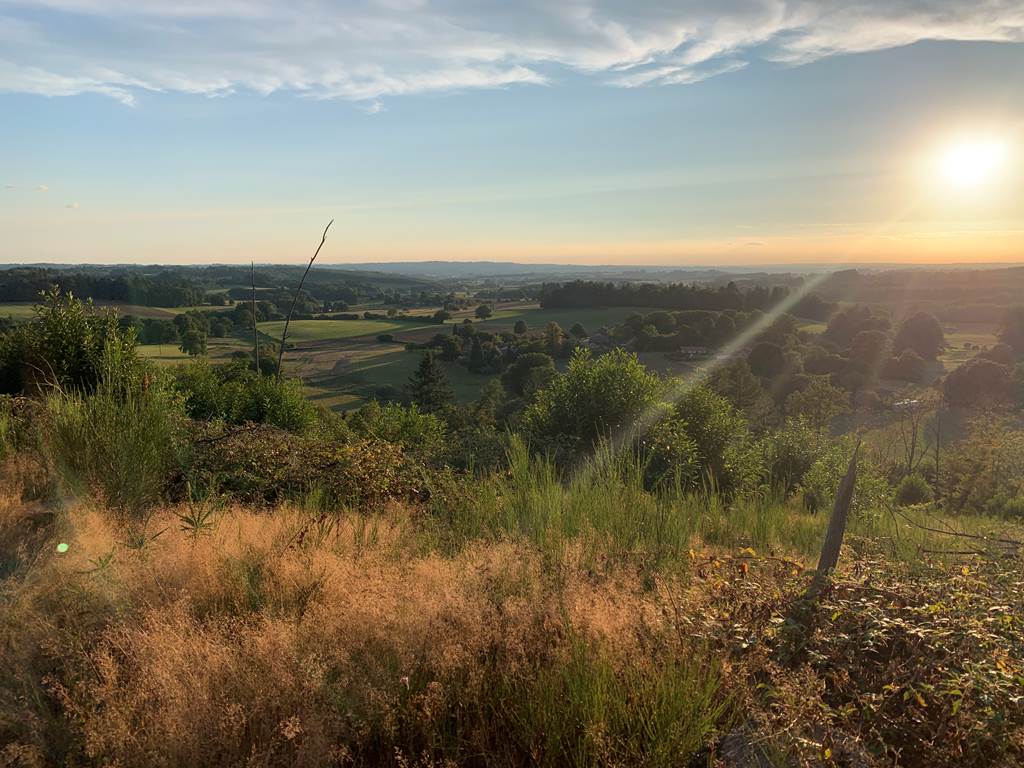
(679, 387)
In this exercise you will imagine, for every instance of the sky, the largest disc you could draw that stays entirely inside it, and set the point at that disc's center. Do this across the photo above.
(712, 132)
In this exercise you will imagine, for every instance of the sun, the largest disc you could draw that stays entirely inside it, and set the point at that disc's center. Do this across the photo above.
(972, 162)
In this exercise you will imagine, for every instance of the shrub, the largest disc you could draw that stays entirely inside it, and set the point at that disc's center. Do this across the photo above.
(64, 345)
(235, 394)
(593, 399)
(728, 455)
(1014, 508)
(119, 442)
(670, 455)
(913, 489)
(421, 434)
(265, 465)
(790, 451)
(821, 481)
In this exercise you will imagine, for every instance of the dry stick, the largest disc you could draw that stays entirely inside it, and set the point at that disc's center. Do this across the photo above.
(961, 534)
(295, 298)
(836, 527)
(255, 333)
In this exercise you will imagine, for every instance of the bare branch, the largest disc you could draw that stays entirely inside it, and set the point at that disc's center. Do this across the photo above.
(295, 298)
(255, 332)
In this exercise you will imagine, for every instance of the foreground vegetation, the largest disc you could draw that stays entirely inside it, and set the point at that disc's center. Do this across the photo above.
(595, 567)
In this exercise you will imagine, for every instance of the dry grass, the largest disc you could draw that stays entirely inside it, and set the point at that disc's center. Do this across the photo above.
(549, 631)
(240, 647)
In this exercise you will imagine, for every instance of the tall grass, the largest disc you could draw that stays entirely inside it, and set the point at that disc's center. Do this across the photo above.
(117, 442)
(237, 647)
(614, 518)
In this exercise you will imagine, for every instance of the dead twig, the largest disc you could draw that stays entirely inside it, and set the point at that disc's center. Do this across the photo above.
(255, 332)
(295, 298)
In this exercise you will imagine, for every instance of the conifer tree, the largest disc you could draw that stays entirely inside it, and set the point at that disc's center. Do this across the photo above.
(476, 356)
(429, 387)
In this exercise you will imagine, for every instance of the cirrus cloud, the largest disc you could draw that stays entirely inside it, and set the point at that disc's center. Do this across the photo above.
(366, 50)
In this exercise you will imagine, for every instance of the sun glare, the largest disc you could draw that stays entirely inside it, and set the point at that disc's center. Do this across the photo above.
(972, 162)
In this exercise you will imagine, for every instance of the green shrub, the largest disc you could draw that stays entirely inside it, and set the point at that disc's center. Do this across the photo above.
(670, 455)
(595, 398)
(119, 442)
(913, 489)
(421, 434)
(728, 455)
(64, 345)
(819, 484)
(235, 394)
(1014, 508)
(790, 451)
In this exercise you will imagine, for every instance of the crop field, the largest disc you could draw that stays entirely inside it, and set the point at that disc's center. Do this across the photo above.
(536, 318)
(328, 330)
(23, 309)
(343, 364)
(217, 350)
(18, 310)
(958, 336)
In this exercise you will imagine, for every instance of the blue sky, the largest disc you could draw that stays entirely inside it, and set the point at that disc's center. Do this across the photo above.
(694, 133)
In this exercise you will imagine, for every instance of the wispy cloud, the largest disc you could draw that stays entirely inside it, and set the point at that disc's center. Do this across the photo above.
(43, 188)
(74, 206)
(365, 51)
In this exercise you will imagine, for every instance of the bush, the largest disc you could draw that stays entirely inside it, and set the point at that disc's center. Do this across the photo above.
(821, 481)
(913, 489)
(421, 434)
(592, 400)
(1014, 508)
(64, 345)
(790, 451)
(265, 465)
(728, 456)
(235, 394)
(119, 442)
(670, 456)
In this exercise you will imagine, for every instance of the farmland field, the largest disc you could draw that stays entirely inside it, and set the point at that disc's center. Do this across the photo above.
(325, 330)
(343, 364)
(23, 309)
(217, 350)
(18, 310)
(977, 335)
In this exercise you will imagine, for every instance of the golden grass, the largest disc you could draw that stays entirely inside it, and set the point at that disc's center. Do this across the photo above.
(242, 646)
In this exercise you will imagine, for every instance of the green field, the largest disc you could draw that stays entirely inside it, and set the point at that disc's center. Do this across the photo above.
(978, 335)
(812, 326)
(358, 374)
(300, 331)
(23, 309)
(18, 310)
(343, 364)
(162, 354)
(536, 318)
(217, 351)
